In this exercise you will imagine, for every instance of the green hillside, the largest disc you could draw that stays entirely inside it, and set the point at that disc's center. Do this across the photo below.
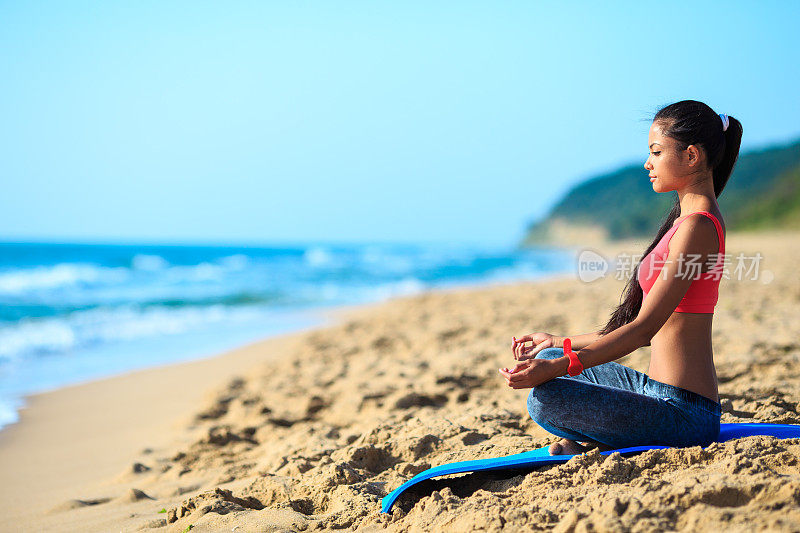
(763, 192)
(779, 207)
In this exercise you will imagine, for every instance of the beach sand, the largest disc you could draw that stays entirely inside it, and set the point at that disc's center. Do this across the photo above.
(309, 431)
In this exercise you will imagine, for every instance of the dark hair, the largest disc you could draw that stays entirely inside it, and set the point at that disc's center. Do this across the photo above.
(687, 122)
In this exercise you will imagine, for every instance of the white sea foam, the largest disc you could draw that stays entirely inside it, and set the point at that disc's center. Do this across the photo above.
(9, 408)
(205, 272)
(149, 263)
(48, 335)
(85, 328)
(194, 273)
(318, 257)
(39, 278)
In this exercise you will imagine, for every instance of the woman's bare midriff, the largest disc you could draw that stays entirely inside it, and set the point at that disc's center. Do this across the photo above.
(681, 354)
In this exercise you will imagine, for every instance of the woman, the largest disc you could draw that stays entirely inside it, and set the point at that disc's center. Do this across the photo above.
(667, 306)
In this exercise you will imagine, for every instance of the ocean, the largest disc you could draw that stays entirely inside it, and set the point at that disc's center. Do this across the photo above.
(71, 313)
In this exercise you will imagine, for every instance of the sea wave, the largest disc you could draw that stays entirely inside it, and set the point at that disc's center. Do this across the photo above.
(149, 262)
(96, 326)
(319, 257)
(143, 269)
(18, 281)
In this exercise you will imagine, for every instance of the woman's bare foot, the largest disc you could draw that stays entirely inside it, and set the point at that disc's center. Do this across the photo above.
(571, 447)
(567, 447)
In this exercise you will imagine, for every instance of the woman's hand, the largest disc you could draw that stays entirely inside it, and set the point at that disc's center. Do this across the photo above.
(540, 342)
(531, 373)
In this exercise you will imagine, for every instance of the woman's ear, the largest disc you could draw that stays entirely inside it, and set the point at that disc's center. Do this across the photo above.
(693, 155)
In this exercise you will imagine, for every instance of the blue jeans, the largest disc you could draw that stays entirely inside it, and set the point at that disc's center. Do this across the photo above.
(620, 407)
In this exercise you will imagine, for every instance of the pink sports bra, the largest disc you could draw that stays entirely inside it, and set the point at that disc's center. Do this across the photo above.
(703, 293)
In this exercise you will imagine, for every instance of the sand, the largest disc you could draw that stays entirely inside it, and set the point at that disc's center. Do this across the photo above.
(309, 431)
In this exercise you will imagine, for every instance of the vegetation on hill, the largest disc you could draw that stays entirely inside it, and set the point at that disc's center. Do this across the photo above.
(763, 192)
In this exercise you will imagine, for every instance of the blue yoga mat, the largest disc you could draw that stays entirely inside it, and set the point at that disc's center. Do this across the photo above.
(541, 457)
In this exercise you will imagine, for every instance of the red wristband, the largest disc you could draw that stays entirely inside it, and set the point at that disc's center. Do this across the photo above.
(575, 367)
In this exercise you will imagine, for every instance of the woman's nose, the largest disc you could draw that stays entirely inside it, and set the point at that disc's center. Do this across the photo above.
(647, 164)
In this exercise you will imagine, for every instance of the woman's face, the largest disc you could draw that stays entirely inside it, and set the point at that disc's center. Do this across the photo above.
(668, 165)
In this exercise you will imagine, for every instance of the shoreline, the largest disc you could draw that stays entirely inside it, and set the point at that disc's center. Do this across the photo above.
(194, 302)
(321, 317)
(75, 459)
(304, 320)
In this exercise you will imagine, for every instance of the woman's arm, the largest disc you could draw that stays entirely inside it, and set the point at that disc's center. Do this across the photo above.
(620, 342)
(578, 341)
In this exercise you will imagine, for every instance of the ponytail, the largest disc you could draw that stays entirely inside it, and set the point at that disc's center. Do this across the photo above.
(723, 170)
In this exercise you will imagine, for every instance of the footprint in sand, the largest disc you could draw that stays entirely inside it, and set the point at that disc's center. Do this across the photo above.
(133, 471)
(134, 495)
(139, 468)
(77, 504)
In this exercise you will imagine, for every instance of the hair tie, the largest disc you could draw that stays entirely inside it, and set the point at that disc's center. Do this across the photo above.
(725, 121)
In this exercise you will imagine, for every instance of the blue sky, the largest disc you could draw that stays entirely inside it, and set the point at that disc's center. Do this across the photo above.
(356, 121)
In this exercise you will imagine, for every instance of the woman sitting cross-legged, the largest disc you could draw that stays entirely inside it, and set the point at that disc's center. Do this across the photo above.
(669, 305)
